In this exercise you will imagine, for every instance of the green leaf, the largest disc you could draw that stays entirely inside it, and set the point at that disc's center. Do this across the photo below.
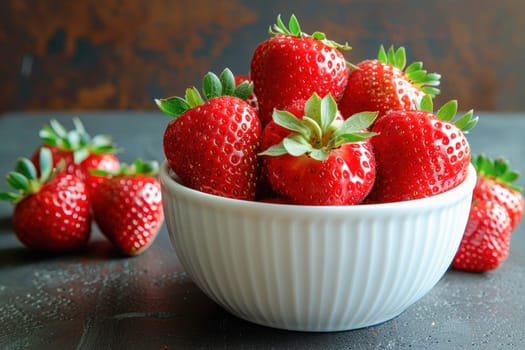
(79, 126)
(228, 82)
(243, 90)
(432, 91)
(319, 154)
(426, 104)
(9, 196)
(58, 129)
(281, 25)
(48, 136)
(413, 67)
(211, 86)
(193, 97)
(46, 163)
(312, 108)
(400, 58)
(296, 146)
(319, 36)
(172, 106)
(25, 167)
(354, 137)
(275, 150)
(448, 110)
(80, 155)
(381, 55)
(357, 122)
(510, 176)
(17, 181)
(289, 121)
(328, 112)
(294, 26)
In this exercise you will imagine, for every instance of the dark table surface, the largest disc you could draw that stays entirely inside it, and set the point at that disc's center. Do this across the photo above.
(97, 299)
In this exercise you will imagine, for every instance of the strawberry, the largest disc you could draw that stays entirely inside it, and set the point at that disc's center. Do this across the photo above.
(127, 207)
(212, 145)
(79, 151)
(496, 183)
(383, 84)
(420, 154)
(485, 243)
(52, 211)
(315, 158)
(293, 65)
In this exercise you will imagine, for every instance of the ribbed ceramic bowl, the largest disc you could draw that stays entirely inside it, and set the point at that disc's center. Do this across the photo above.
(313, 268)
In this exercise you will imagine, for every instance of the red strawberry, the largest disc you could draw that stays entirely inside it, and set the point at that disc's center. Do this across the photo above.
(419, 154)
(52, 211)
(212, 145)
(496, 184)
(293, 65)
(485, 243)
(127, 207)
(315, 158)
(383, 84)
(79, 151)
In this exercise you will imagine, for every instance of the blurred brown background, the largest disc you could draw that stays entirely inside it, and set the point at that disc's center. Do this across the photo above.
(121, 54)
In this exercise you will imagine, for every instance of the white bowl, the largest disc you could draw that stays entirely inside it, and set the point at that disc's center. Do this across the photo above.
(314, 268)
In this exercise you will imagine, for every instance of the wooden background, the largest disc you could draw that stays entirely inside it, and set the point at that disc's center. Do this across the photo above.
(121, 54)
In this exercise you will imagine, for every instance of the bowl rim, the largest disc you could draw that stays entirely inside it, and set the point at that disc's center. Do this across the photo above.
(168, 179)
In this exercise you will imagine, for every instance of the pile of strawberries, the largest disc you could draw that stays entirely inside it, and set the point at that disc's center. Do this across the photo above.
(73, 179)
(307, 127)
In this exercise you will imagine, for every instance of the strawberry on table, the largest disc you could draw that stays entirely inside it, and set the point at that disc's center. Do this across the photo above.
(497, 208)
(52, 210)
(496, 183)
(485, 243)
(79, 151)
(293, 65)
(212, 144)
(127, 207)
(383, 84)
(313, 157)
(419, 153)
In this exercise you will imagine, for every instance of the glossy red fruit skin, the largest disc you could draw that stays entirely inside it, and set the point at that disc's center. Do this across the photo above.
(57, 218)
(376, 86)
(485, 243)
(285, 68)
(345, 178)
(492, 190)
(417, 156)
(128, 211)
(213, 147)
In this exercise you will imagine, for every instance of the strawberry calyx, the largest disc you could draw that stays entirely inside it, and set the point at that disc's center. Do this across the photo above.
(419, 77)
(448, 111)
(497, 169)
(138, 167)
(212, 86)
(319, 131)
(294, 29)
(77, 140)
(25, 179)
